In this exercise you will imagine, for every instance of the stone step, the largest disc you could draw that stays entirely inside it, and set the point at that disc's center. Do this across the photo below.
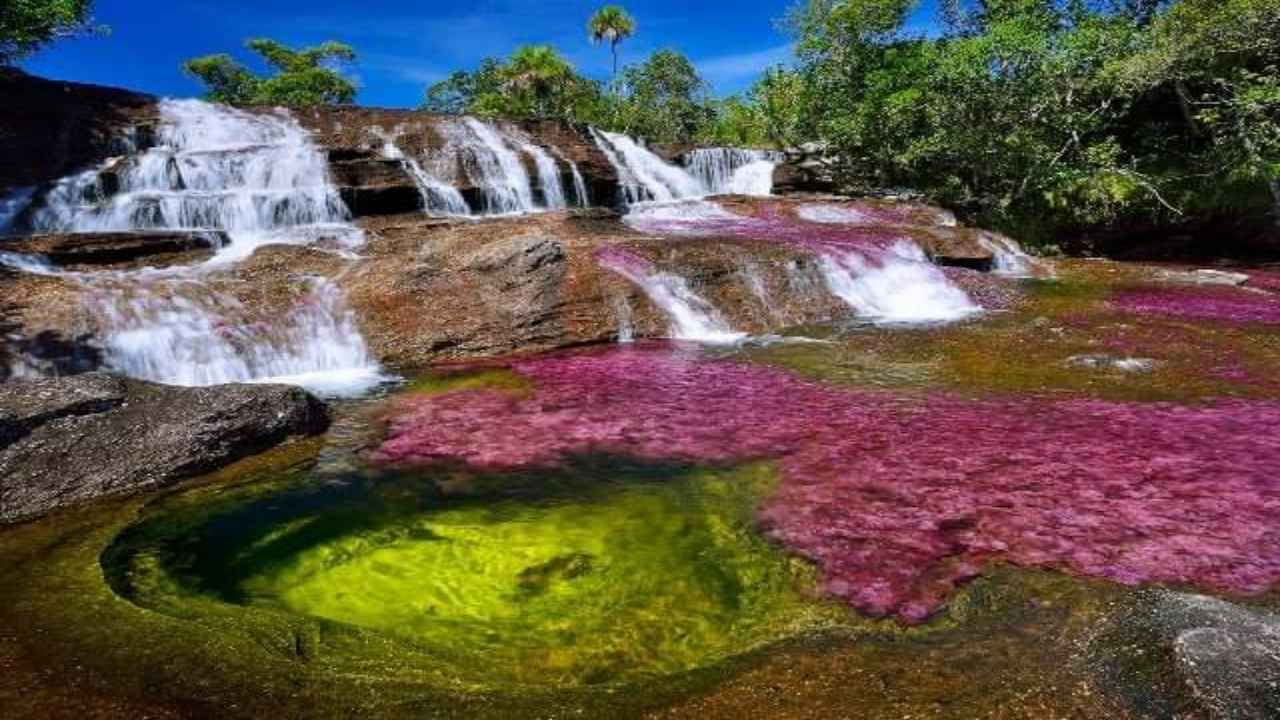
(165, 247)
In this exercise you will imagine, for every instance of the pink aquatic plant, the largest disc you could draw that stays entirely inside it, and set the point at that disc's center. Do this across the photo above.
(1203, 303)
(899, 498)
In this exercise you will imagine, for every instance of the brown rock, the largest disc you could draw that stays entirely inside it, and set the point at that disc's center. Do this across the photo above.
(155, 248)
(65, 441)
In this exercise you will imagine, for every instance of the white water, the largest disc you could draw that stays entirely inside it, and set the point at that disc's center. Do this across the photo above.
(900, 286)
(490, 165)
(12, 205)
(261, 179)
(553, 197)
(438, 197)
(1010, 259)
(733, 171)
(258, 177)
(181, 331)
(643, 175)
(684, 217)
(692, 317)
(580, 187)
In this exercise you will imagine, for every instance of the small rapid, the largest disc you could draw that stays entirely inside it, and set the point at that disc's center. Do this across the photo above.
(733, 171)
(691, 317)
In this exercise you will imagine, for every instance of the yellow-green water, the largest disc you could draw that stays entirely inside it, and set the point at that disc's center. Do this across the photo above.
(564, 579)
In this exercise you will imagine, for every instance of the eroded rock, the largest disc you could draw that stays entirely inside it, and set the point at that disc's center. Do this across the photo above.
(65, 441)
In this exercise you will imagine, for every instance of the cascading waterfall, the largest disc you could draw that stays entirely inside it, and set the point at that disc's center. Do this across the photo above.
(438, 197)
(553, 197)
(897, 286)
(733, 171)
(182, 331)
(259, 178)
(691, 317)
(643, 175)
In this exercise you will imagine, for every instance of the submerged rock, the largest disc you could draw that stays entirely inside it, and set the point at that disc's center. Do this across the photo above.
(1217, 659)
(65, 441)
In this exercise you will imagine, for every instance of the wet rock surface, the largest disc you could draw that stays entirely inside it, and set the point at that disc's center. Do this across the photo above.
(65, 441)
(113, 249)
(1177, 654)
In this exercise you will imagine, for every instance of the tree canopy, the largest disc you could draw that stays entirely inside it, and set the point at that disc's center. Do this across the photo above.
(310, 76)
(27, 25)
(611, 24)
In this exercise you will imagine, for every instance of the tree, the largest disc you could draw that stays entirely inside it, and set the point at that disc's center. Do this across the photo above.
(310, 76)
(26, 25)
(611, 23)
(664, 99)
(539, 71)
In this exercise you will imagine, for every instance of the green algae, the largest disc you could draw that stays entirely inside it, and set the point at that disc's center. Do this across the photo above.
(441, 381)
(605, 575)
(998, 648)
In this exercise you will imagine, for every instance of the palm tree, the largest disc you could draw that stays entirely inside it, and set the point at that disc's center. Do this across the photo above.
(538, 69)
(611, 23)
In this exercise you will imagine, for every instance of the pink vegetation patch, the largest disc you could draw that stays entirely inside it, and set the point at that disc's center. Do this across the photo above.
(1203, 303)
(898, 499)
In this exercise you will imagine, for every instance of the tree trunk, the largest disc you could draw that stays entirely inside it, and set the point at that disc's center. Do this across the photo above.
(614, 46)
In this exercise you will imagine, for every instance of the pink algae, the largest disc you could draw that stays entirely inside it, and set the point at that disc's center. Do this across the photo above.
(1203, 303)
(898, 499)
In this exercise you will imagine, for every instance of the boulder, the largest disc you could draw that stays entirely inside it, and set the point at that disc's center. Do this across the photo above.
(155, 248)
(802, 177)
(65, 441)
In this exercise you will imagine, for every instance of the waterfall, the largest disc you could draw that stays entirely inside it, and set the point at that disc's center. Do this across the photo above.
(548, 173)
(643, 175)
(580, 187)
(182, 331)
(898, 286)
(733, 171)
(691, 316)
(258, 177)
(1010, 259)
(438, 197)
(12, 205)
(262, 180)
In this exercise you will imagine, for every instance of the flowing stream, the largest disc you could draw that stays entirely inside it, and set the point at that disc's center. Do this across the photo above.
(260, 179)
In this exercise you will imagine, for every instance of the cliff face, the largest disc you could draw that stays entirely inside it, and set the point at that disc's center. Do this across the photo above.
(49, 129)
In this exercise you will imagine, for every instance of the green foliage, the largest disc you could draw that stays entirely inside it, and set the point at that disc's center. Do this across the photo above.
(27, 25)
(611, 24)
(1067, 113)
(664, 99)
(310, 76)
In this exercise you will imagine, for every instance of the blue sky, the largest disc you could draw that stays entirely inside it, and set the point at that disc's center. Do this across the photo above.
(404, 45)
